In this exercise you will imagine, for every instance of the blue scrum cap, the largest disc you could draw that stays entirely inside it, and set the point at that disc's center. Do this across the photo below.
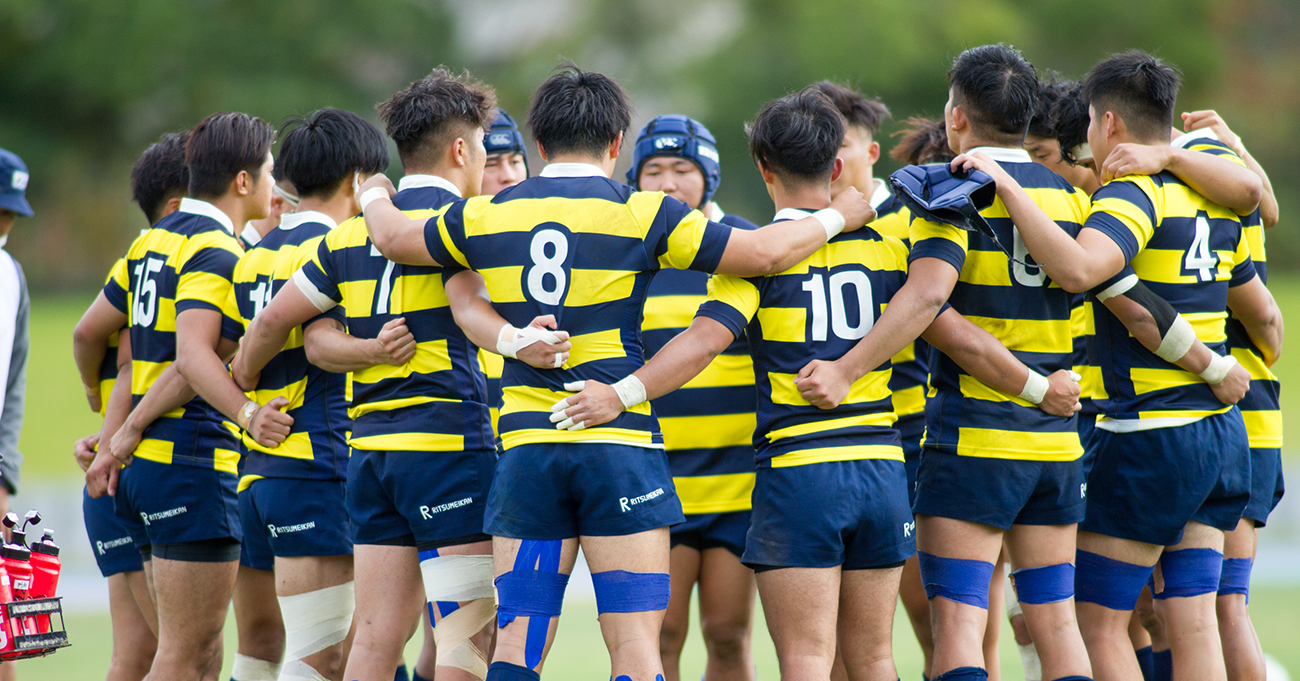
(677, 135)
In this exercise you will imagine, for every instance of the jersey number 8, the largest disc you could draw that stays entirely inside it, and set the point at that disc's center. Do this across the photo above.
(548, 269)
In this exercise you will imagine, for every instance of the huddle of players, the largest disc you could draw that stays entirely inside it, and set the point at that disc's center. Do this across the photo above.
(804, 337)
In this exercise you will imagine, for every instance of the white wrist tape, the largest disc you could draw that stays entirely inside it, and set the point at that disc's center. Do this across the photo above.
(1177, 341)
(1035, 389)
(252, 669)
(631, 391)
(372, 194)
(316, 620)
(832, 220)
(1218, 369)
(511, 340)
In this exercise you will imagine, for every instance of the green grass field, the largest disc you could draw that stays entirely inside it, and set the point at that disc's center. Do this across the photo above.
(57, 414)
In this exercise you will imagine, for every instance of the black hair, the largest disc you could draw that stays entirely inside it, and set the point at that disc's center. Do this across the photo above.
(798, 136)
(1139, 87)
(322, 150)
(433, 112)
(223, 145)
(1070, 122)
(1050, 90)
(160, 175)
(924, 140)
(998, 90)
(578, 111)
(856, 108)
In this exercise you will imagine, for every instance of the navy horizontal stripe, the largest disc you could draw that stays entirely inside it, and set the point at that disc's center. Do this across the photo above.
(720, 461)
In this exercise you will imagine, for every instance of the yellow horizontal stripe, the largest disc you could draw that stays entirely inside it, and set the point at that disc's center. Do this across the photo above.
(1152, 380)
(907, 354)
(684, 238)
(895, 224)
(805, 457)
(358, 297)
(618, 436)
(349, 234)
(1029, 335)
(590, 347)
(922, 229)
(1081, 320)
(519, 398)
(1180, 413)
(909, 401)
(1248, 359)
(226, 461)
(783, 324)
(1183, 202)
(430, 357)
(708, 432)
(246, 481)
(491, 363)
(870, 388)
(884, 255)
(1254, 236)
(670, 312)
(715, 493)
(159, 451)
(986, 268)
(416, 442)
(724, 371)
(294, 392)
(973, 388)
(415, 292)
(203, 286)
(596, 216)
(593, 287)
(1210, 327)
(357, 410)
(1091, 383)
(505, 284)
(1263, 427)
(882, 418)
(1165, 267)
(296, 446)
(1014, 444)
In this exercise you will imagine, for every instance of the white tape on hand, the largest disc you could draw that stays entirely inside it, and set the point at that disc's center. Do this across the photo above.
(1218, 369)
(511, 340)
(1035, 389)
(372, 194)
(1075, 377)
(832, 220)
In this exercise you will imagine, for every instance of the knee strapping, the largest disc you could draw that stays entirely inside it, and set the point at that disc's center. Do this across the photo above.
(1108, 582)
(533, 589)
(316, 620)
(450, 581)
(956, 579)
(623, 591)
(1190, 572)
(1046, 584)
(1235, 578)
(248, 668)
(297, 670)
(1013, 602)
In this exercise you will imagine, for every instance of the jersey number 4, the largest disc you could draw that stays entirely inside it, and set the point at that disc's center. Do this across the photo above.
(839, 317)
(146, 291)
(1199, 256)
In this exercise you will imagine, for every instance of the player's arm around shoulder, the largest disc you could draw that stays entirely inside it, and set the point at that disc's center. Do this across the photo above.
(398, 237)
(1253, 305)
(780, 246)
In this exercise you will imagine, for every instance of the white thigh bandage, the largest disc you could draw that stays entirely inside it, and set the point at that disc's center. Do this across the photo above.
(252, 669)
(297, 670)
(468, 580)
(314, 621)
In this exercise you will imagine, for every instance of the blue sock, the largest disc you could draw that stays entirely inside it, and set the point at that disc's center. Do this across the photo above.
(964, 674)
(1162, 668)
(1074, 678)
(1147, 663)
(504, 671)
(401, 674)
(415, 676)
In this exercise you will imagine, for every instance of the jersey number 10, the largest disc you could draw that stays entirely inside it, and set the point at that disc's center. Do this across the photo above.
(839, 318)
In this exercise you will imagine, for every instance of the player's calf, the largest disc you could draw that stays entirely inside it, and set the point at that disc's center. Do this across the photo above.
(530, 583)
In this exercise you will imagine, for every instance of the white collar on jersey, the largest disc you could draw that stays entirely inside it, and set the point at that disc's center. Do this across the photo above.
(197, 207)
(880, 194)
(572, 170)
(1004, 154)
(1185, 140)
(714, 212)
(290, 220)
(418, 181)
(250, 235)
(790, 214)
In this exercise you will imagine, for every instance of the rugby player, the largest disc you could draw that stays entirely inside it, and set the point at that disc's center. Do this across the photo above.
(284, 200)
(421, 441)
(180, 478)
(837, 555)
(707, 425)
(574, 243)
(159, 180)
(291, 497)
(1153, 412)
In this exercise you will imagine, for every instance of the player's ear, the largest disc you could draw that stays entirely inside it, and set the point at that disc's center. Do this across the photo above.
(615, 146)
(243, 183)
(838, 168)
(769, 177)
(460, 152)
(873, 151)
(959, 120)
(173, 204)
(1113, 124)
(541, 151)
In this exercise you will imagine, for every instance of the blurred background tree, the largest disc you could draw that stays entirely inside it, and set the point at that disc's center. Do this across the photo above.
(85, 85)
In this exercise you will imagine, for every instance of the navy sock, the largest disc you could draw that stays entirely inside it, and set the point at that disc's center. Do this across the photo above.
(1147, 662)
(1074, 678)
(401, 674)
(415, 676)
(964, 674)
(504, 671)
(1163, 665)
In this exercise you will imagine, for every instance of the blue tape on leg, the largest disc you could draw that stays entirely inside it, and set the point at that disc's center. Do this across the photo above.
(1190, 572)
(1235, 578)
(623, 591)
(1046, 584)
(533, 589)
(1108, 582)
(956, 579)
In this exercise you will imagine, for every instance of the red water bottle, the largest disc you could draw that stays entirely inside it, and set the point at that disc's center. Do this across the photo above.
(45, 573)
(6, 627)
(17, 562)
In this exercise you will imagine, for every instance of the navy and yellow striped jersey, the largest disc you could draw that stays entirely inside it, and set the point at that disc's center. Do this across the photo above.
(437, 401)
(911, 369)
(708, 424)
(573, 243)
(1261, 407)
(491, 364)
(1188, 251)
(1016, 302)
(184, 262)
(108, 367)
(1091, 385)
(316, 448)
(818, 309)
